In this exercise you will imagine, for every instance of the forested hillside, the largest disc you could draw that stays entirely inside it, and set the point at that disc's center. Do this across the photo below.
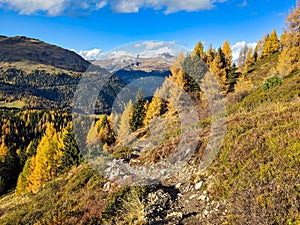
(37, 75)
(46, 178)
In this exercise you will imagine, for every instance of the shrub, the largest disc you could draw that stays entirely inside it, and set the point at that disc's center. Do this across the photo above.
(272, 82)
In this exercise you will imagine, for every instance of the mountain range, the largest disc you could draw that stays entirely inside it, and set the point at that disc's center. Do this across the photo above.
(35, 74)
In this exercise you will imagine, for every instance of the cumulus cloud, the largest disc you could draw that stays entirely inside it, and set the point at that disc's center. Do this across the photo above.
(57, 7)
(149, 53)
(149, 44)
(51, 7)
(169, 6)
(30, 6)
(237, 47)
(117, 54)
(91, 54)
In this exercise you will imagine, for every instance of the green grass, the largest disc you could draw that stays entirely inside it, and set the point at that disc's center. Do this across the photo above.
(71, 199)
(257, 170)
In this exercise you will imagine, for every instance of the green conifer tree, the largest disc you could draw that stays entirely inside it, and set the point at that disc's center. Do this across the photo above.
(71, 155)
(138, 112)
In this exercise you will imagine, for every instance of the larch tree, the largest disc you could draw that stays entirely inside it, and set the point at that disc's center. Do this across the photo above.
(199, 50)
(157, 107)
(242, 58)
(228, 54)
(47, 159)
(289, 59)
(259, 48)
(249, 60)
(23, 179)
(106, 133)
(209, 56)
(124, 126)
(271, 45)
(92, 137)
(3, 151)
(218, 68)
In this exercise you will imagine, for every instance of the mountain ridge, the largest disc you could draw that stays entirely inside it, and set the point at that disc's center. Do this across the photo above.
(20, 48)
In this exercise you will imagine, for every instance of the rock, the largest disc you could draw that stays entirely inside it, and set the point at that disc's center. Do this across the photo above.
(198, 185)
(202, 197)
(160, 208)
(106, 186)
(204, 192)
(206, 212)
(192, 197)
(175, 214)
(178, 185)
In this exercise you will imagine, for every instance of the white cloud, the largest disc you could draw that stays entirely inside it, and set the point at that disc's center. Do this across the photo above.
(150, 44)
(122, 54)
(138, 45)
(119, 54)
(101, 4)
(237, 47)
(57, 7)
(149, 53)
(53, 7)
(91, 54)
(169, 6)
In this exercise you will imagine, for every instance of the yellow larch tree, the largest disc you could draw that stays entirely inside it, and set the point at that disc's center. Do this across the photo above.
(289, 58)
(47, 159)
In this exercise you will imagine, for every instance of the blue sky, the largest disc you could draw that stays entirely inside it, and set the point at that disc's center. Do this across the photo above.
(85, 25)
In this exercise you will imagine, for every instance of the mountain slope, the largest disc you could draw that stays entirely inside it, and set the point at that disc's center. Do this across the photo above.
(16, 49)
(44, 76)
(254, 179)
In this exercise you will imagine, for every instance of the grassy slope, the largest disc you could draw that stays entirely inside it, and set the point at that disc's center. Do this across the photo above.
(257, 170)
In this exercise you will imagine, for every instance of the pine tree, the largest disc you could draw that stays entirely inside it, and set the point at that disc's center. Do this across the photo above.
(138, 112)
(194, 69)
(71, 155)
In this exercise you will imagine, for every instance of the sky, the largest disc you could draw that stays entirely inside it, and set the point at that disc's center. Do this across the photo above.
(95, 26)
